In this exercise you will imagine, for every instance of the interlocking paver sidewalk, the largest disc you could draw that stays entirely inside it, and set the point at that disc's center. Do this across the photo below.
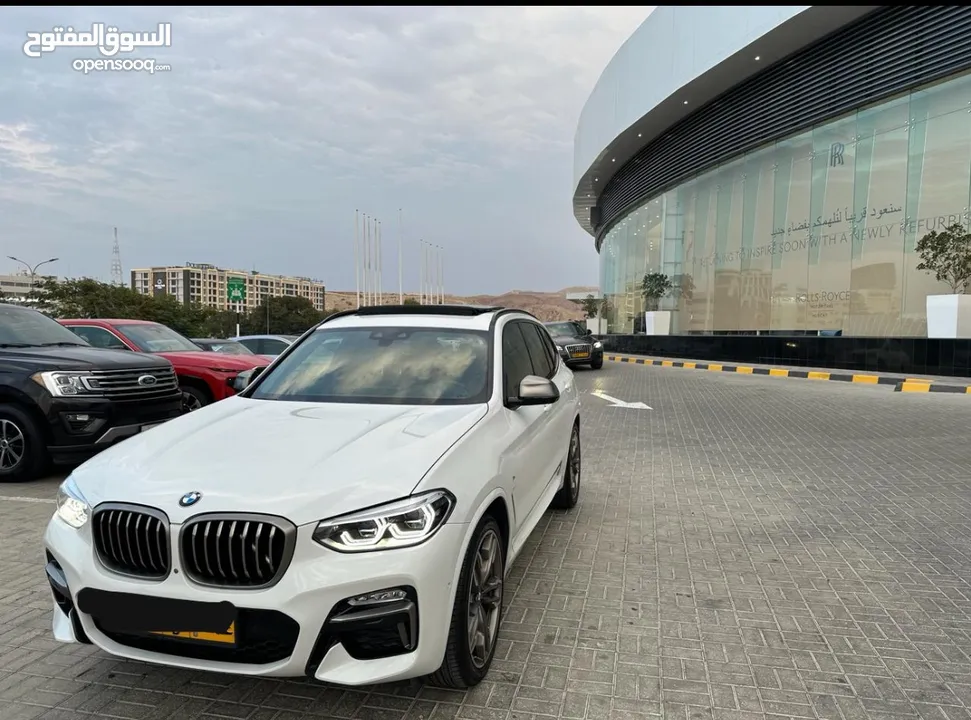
(744, 549)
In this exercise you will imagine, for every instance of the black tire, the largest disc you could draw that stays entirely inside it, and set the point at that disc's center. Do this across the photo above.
(19, 433)
(461, 668)
(597, 364)
(193, 398)
(569, 495)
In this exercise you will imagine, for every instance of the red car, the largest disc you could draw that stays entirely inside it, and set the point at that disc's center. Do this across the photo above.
(204, 377)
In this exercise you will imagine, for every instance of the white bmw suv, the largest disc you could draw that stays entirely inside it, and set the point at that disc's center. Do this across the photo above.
(351, 515)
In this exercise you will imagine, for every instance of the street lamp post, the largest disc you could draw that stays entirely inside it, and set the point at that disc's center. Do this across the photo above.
(32, 269)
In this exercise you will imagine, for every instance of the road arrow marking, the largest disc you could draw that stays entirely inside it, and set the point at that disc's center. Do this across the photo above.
(614, 402)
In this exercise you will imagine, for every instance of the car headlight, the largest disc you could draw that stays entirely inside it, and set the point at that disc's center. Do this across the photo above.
(598, 345)
(402, 523)
(71, 506)
(67, 384)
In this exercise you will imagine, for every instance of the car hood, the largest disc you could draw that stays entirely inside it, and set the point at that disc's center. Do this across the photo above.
(79, 357)
(572, 340)
(211, 360)
(302, 461)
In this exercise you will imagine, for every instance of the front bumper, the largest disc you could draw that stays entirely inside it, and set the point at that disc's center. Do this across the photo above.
(596, 355)
(300, 626)
(79, 428)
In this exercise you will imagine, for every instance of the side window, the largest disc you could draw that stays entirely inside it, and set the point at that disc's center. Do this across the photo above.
(273, 347)
(98, 337)
(551, 351)
(252, 345)
(515, 359)
(537, 350)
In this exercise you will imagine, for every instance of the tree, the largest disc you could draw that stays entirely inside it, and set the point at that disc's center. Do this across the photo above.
(411, 301)
(947, 256)
(284, 315)
(590, 305)
(655, 286)
(89, 299)
(684, 286)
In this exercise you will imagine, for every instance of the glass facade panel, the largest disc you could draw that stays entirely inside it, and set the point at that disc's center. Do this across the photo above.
(813, 233)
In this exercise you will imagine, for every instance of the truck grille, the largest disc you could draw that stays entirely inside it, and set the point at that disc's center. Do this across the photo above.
(578, 349)
(134, 541)
(242, 551)
(134, 384)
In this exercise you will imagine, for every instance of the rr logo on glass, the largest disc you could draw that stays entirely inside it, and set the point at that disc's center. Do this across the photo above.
(836, 154)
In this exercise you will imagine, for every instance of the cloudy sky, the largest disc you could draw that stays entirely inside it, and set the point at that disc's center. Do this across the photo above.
(275, 124)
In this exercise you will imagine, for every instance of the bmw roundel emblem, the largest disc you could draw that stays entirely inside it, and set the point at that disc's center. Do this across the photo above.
(190, 498)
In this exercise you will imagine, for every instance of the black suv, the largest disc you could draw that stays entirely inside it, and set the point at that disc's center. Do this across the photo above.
(576, 345)
(62, 401)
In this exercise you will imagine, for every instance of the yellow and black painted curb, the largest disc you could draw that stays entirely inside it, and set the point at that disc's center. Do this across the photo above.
(923, 386)
(905, 385)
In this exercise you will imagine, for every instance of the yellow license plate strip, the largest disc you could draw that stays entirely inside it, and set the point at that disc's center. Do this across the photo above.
(581, 355)
(226, 638)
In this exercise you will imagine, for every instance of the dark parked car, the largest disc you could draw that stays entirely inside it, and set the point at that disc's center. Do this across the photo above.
(576, 344)
(62, 401)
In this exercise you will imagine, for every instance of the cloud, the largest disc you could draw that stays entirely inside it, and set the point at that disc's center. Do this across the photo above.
(273, 121)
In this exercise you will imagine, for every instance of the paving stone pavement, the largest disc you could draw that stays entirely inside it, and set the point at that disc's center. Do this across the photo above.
(746, 548)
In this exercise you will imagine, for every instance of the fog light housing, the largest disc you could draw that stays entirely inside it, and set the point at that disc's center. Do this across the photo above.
(81, 423)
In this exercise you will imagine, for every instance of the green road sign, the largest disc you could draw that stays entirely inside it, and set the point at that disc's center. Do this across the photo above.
(236, 289)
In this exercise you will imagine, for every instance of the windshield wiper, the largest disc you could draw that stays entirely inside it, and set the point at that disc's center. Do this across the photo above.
(60, 344)
(15, 345)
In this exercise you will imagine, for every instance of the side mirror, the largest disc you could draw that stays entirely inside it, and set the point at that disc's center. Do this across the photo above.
(588, 333)
(535, 390)
(240, 382)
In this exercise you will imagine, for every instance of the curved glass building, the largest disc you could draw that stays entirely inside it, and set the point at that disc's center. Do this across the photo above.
(779, 165)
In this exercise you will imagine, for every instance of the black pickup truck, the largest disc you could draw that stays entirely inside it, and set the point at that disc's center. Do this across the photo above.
(62, 401)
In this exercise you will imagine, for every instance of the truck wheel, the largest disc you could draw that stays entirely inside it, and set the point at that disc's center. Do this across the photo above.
(22, 452)
(193, 398)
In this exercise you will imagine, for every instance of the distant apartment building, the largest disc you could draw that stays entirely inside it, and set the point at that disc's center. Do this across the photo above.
(209, 286)
(15, 288)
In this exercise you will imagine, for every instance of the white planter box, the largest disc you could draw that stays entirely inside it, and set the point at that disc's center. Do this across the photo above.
(949, 316)
(598, 326)
(657, 322)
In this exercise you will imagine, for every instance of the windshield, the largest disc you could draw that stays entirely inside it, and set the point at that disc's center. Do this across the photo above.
(384, 365)
(229, 347)
(563, 328)
(154, 338)
(23, 327)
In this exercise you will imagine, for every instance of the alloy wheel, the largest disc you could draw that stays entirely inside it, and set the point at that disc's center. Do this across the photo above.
(485, 598)
(190, 402)
(575, 464)
(13, 445)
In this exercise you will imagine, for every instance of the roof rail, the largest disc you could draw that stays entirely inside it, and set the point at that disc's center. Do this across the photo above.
(453, 310)
(458, 310)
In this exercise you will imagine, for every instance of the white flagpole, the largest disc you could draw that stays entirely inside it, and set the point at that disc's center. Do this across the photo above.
(401, 283)
(367, 260)
(377, 259)
(441, 278)
(421, 273)
(380, 266)
(357, 259)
